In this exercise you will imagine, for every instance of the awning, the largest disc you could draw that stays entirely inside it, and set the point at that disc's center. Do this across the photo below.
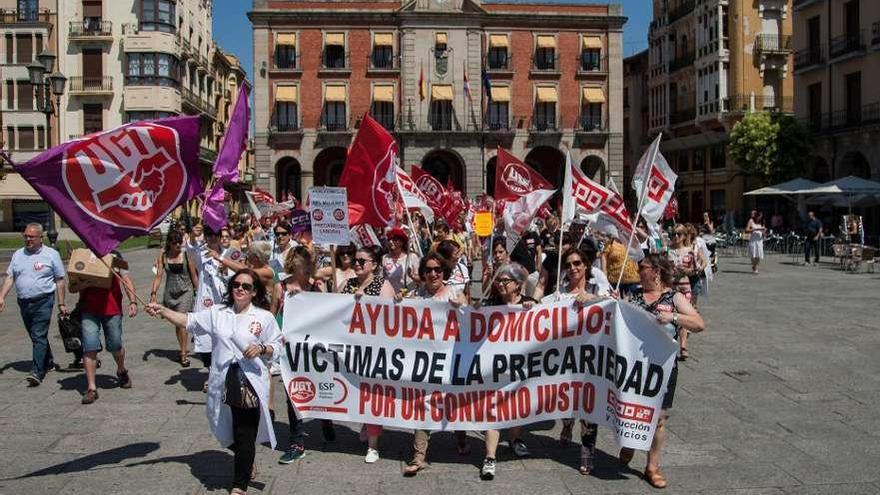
(545, 41)
(592, 42)
(383, 92)
(337, 39)
(334, 93)
(383, 39)
(498, 40)
(547, 95)
(14, 187)
(594, 95)
(285, 93)
(441, 39)
(288, 39)
(441, 92)
(500, 93)
(794, 186)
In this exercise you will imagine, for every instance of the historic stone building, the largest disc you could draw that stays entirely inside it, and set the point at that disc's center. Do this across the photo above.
(711, 62)
(554, 74)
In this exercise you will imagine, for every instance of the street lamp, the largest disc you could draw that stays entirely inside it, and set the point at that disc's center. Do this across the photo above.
(45, 86)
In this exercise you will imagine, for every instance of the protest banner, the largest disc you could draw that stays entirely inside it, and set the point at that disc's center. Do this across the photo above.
(300, 221)
(483, 223)
(328, 207)
(363, 236)
(422, 364)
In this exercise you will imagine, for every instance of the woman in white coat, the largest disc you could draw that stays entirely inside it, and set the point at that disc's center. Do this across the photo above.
(238, 385)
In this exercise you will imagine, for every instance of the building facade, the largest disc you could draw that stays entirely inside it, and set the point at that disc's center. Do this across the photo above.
(554, 76)
(710, 63)
(27, 28)
(635, 113)
(837, 56)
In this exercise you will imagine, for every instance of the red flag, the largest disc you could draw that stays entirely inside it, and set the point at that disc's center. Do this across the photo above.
(430, 187)
(369, 175)
(514, 179)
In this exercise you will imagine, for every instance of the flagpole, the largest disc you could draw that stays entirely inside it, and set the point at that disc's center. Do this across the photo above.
(408, 215)
(559, 261)
(639, 211)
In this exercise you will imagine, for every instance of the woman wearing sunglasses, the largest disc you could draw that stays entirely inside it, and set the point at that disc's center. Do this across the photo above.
(368, 281)
(434, 270)
(283, 243)
(180, 280)
(506, 291)
(245, 339)
(673, 313)
(585, 283)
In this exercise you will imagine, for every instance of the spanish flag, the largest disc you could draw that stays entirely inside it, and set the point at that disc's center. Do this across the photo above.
(423, 87)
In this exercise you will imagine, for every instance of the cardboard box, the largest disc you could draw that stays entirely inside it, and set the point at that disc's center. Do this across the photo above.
(86, 270)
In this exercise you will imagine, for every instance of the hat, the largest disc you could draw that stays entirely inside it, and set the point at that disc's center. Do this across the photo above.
(397, 233)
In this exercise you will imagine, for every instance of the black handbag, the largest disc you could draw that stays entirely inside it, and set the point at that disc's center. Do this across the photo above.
(70, 327)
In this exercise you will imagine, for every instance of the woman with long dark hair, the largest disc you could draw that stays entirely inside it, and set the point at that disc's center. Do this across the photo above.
(180, 281)
(757, 231)
(245, 340)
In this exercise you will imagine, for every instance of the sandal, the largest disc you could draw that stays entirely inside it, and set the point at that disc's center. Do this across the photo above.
(413, 467)
(565, 434)
(683, 354)
(626, 456)
(184, 360)
(655, 478)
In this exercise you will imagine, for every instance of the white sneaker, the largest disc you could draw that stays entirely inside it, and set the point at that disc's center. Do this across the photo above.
(372, 456)
(488, 470)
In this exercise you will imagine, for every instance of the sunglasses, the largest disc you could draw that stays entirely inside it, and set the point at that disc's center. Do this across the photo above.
(361, 261)
(434, 269)
(677, 234)
(576, 264)
(504, 281)
(243, 285)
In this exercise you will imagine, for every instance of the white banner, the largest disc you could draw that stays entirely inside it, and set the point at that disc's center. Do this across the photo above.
(328, 207)
(422, 364)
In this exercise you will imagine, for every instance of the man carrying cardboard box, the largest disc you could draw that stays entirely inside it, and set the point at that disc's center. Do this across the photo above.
(38, 275)
(102, 309)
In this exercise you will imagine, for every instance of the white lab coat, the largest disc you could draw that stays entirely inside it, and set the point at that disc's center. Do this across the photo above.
(212, 287)
(219, 322)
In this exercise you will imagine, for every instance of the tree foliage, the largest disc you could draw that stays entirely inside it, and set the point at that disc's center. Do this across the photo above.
(769, 146)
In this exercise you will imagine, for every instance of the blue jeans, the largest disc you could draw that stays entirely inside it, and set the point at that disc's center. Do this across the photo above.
(91, 329)
(37, 315)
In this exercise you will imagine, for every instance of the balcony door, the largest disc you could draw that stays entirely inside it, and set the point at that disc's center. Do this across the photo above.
(854, 98)
(93, 68)
(851, 13)
(93, 118)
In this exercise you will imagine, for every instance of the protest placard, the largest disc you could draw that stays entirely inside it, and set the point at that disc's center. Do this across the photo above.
(328, 207)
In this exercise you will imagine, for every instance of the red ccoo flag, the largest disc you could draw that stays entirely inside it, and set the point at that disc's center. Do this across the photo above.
(370, 175)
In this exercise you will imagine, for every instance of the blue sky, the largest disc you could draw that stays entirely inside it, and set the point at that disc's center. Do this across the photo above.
(232, 29)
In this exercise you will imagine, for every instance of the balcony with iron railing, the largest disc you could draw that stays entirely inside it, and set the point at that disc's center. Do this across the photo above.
(498, 63)
(588, 65)
(91, 28)
(590, 123)
(545, 65)
(497, 124)
(759, 103)
(16, 17)
(809, 57)
(773, 44)
(545, 123)
(197, 102)
(379, 62)
(287, 62)
(846, 44)
(684, 9)
(332, 63)
(85, 85)
(685, 112)
(682, 61)
(329, 123)
(842, 120)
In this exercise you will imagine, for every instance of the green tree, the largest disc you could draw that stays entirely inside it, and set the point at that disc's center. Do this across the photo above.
(769, 146)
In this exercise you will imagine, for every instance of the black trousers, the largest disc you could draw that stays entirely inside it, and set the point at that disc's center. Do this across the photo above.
(245, 423)
(811, 245)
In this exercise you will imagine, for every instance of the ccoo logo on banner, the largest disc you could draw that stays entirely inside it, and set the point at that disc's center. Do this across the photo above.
(132, 177)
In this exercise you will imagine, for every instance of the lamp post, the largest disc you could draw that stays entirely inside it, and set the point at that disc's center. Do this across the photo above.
(46, 84)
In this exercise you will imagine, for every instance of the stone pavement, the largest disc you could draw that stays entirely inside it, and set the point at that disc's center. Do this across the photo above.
(780, 397)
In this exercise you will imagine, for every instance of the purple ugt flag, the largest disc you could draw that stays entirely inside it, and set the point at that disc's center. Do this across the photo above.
(234, 140)
(214, 211)
(119, 183)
